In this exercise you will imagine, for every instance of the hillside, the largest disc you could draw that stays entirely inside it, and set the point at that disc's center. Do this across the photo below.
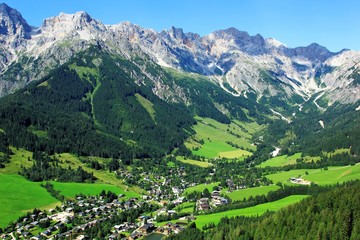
(329, 215)
(203, 127)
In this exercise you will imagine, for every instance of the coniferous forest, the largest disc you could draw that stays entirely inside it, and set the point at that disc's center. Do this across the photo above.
(330, 215)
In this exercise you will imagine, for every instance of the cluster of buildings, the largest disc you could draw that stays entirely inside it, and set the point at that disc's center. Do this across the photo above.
(60, 223)
(204, 204)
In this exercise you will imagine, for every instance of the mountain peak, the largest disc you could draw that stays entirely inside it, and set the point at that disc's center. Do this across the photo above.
(71, 25)
(314, 52)
(177, 33)
(78, 16)
(252, 45)
(274, 42)
(12, 23)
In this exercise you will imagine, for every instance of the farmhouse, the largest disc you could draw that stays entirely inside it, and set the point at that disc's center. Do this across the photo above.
(203, 204)
(299, 180)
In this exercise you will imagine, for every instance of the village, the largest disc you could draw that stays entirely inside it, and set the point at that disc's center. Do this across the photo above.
(75, 218)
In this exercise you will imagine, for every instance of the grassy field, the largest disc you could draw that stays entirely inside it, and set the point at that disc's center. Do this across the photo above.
(147, 105)
(216, 135)
(105, 177)
(320, 176)
(19, 158)
(213, 148)
(71, 189)
(19, 196)
(195, 162)
(238, 153)
(187, 207)
(282, 160)
(246, 193)
(201, 220)
(201, 188)
(284, 176)
(334, 175)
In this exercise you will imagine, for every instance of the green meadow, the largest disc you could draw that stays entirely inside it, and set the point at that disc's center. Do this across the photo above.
(238, 153)
(105, 177)
(280, 161)
(187, 207)
(71, 189)
(284, 160)
(260, 209)
(320, 176)
(246, 193)
(334, 175)
(19, 158)
(203, 164)
(201, 188)
(283, 177)
(19, 196)
(211, 138)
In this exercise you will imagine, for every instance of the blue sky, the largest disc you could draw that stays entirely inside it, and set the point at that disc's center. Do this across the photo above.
(334, 24)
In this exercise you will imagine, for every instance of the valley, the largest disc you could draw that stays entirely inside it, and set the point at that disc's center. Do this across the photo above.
(121, 132)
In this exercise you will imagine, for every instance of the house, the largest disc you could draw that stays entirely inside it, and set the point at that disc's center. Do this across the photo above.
(176, 190)
(82, 237)
(26, 234)
(215, 193)
(179, 200)
(203, 204)
(135, 235)
(113, 236)
(35, 223)
(28, 227)
(217, 200)
(146, 228)
(37, 237)
(46, 233)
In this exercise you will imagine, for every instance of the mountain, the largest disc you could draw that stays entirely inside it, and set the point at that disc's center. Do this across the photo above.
(137, 90)
(241, 64)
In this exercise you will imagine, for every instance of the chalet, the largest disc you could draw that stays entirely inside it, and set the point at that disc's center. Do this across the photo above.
(59, 225)
(203, 204)
(215, 193)
(176, 190)
(35, 223)
(114, 236)
(43, 220)
(178, 200)
(68, 210)
(28, 227)
(217, 200)
(135, 235)
(171, 212)
(26, 234)
(170, 227)
(82, 237)
(46, 233)
(37, 237)
(146, 228)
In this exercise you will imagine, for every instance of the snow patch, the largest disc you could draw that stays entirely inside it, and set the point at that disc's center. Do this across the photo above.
(358, 108)
(322, 123)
